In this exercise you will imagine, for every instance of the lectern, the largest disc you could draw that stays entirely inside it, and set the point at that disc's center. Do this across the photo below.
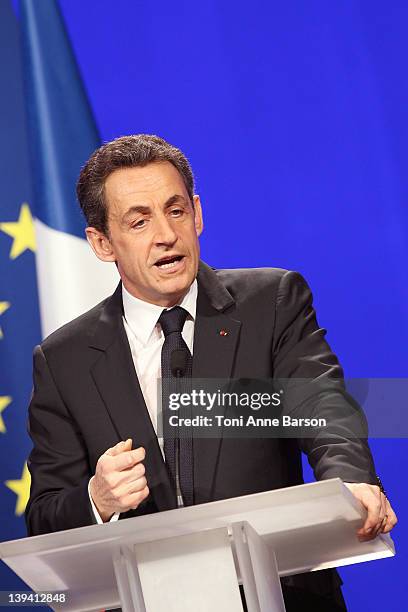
(193, 559)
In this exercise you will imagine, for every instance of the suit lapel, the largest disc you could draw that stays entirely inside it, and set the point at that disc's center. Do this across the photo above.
(115, 377)
(215, 341)
(216, 337)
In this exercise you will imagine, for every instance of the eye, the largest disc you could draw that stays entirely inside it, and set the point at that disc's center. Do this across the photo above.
(138, 224)
(176, 212)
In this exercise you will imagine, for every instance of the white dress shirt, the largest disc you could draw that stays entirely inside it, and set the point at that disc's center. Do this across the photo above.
(146, 339)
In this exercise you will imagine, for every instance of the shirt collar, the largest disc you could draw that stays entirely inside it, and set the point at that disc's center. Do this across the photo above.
(142, 316)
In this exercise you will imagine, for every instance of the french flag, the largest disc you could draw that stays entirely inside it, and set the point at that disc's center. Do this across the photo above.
(62, 135)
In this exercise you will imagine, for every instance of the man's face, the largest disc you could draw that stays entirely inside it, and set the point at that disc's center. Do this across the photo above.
(153, 232)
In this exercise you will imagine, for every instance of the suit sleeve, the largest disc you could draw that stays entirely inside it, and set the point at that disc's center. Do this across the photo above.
(58, 462)
(314, 388)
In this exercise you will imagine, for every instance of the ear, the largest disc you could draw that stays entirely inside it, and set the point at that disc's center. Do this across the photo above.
(198, 215)
(100, 244)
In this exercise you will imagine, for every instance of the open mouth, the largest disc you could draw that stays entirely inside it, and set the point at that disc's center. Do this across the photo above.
(168, 262)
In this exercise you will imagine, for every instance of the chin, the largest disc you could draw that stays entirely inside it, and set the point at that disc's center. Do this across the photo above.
(175, 290)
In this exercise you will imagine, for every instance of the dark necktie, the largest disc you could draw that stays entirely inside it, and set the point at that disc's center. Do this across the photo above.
(178, 449)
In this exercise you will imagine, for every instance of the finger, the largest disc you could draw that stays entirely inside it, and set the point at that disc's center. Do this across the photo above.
(383, 514)
(383, 525)
(366, 537)
(134, 473)
(141, 496)
(136, 485)
(372, 503)
(391, 518)
(127, 476)
(134, 499)
(119, 448)
(384, 504)
(370, 535)
(128, 444)
(379, 527)
(115, 450)
(373, 530)
(383, 517)
(129, 488)
(128, 459)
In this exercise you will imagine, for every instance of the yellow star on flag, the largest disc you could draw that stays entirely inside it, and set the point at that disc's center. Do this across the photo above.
(3, 307)
(22, 489)
(22, 231)
(5, 400)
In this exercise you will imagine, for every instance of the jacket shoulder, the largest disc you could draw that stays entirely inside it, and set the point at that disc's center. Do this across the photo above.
(251, 281)
(76, 331)
(254, 275)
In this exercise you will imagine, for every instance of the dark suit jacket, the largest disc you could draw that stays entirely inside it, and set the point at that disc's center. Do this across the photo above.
(87, 398)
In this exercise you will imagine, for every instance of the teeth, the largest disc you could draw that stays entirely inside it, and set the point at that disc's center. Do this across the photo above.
(168, 265)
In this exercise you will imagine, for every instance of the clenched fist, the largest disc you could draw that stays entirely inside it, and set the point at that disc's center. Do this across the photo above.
(119, 483)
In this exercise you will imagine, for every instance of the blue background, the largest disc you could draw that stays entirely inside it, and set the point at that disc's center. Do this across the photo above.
(293, 116)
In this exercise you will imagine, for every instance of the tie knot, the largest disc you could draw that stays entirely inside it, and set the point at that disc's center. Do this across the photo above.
(172, 320)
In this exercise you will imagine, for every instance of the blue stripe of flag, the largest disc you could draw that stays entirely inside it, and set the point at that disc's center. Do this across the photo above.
(62, 130)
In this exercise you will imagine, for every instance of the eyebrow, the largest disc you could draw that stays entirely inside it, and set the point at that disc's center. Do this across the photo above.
(146, 209)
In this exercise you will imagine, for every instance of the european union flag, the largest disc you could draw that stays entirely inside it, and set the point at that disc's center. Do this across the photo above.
(19, 315)
(41, 230)
(62, 134)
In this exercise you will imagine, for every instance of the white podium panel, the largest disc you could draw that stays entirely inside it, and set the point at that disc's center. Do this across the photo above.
(190, 572)
(286, 531)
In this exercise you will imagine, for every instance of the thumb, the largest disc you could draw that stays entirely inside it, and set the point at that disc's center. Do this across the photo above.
(128, 445)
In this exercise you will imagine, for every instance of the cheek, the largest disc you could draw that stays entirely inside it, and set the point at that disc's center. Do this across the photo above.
(195, 247)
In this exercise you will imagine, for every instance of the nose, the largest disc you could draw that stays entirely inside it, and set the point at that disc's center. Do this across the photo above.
(164, 231)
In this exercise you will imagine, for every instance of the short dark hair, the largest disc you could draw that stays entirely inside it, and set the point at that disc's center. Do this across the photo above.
(124, 152)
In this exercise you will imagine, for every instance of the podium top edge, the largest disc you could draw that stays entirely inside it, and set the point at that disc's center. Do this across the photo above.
(110, 532)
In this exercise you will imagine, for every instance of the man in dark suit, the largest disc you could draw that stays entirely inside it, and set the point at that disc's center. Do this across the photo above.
(93, 398)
